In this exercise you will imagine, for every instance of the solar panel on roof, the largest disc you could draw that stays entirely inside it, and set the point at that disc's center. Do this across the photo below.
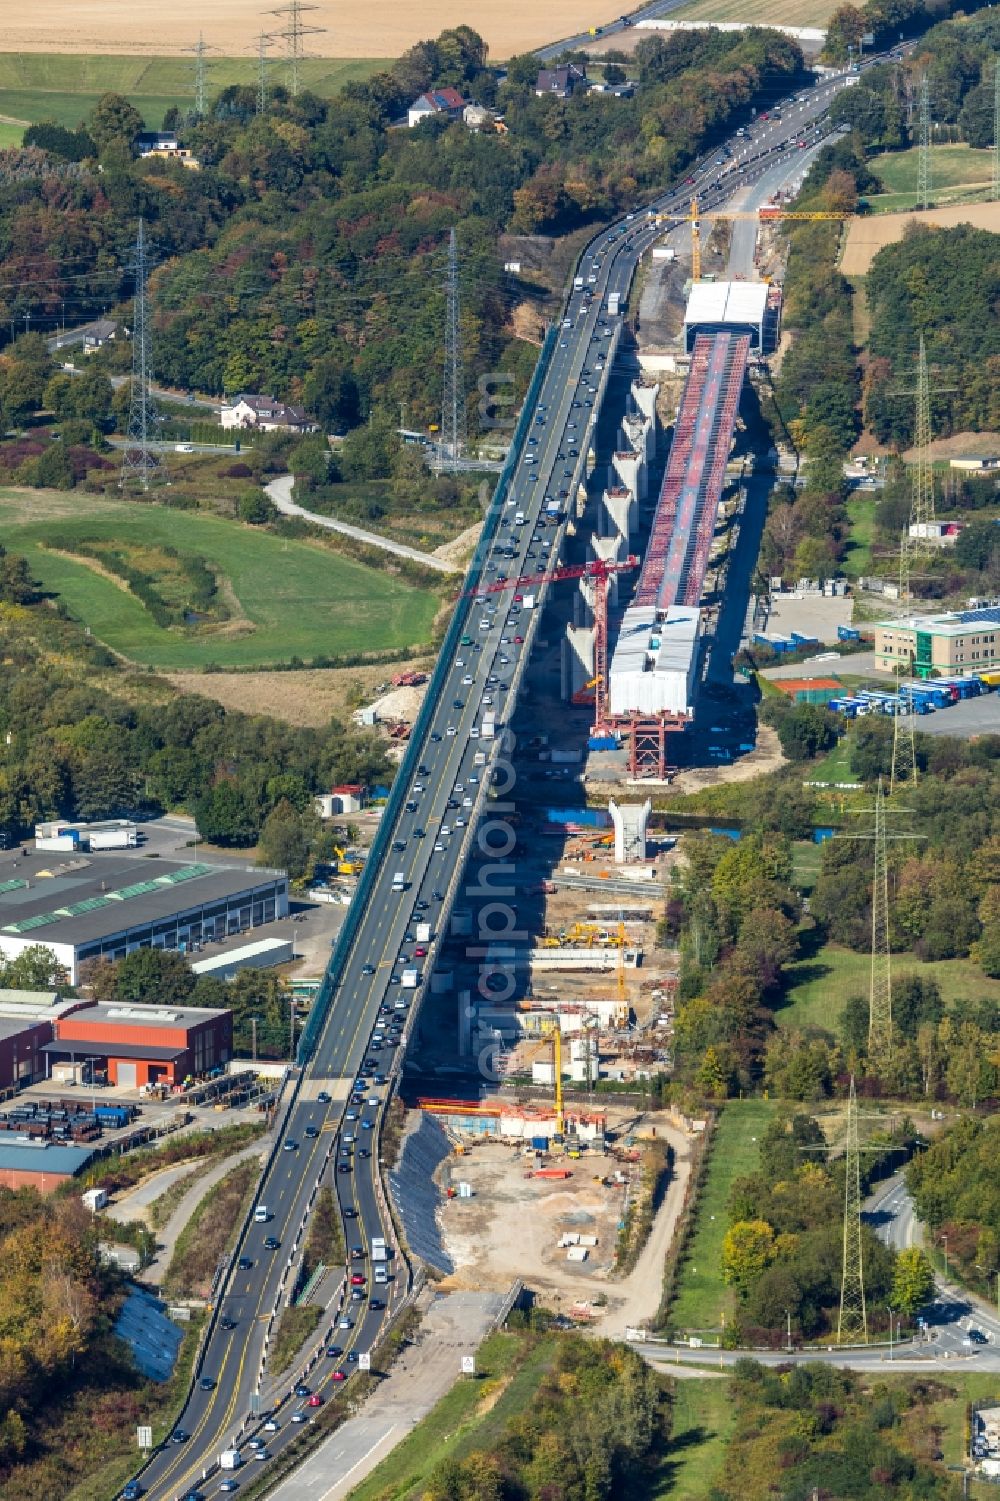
(980, 617)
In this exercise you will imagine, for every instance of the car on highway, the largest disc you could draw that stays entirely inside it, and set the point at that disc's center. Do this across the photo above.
(358, 1279)
(364, 1152)
(315, 1400)
(350, 1213)
(290, 1146)
(339, 1376)
(376, 1303)
(343, 1167)
(227, 1323)
(323, 1098)
(272, 1243)
(245, 1264)
(334, 1351)
(228, 1486)
(345, 1323)
(207, 1384)
(358, 1295)
(311, 1130)
(262, 1454)
(272, 1426)
(300, 1416)
(179, 1436)
(132, 1491)
(367, 1125)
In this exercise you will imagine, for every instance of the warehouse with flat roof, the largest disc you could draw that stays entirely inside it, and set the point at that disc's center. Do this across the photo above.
(82, 910)
(40, 1164)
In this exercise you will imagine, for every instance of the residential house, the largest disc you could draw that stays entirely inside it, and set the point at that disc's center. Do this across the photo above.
(561, 82)
(447, 102)
(266, 414)
(99, 333)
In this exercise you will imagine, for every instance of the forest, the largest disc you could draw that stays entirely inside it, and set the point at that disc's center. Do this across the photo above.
(954, 1187)
(739, 921)
(307, 255)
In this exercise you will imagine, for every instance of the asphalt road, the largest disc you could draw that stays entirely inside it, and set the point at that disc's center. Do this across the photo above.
(432, 836)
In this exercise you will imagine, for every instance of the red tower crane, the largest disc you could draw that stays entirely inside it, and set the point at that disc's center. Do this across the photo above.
(601, 572)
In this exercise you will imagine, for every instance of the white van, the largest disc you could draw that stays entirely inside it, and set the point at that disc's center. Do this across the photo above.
(261, 1214)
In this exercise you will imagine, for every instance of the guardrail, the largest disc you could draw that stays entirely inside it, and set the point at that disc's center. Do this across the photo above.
(380, 844)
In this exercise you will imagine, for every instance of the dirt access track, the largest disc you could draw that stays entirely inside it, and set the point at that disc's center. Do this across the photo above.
(383, 28)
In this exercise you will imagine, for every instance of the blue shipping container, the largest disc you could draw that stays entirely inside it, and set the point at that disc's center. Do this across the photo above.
(848, 633)
(602, 742)
(594, 818)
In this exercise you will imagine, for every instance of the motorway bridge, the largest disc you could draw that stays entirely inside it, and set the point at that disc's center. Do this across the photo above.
(363, 1015)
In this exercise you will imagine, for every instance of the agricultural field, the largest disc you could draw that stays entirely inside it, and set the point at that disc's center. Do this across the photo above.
(870, 233)
(382, 29)
(758, 12)
(283, 598)
(57, 86)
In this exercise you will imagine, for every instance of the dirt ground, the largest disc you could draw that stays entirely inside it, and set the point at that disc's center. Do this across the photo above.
(767, 757)
(870, 233)
(512, 1224)
(310, 697)
(961, 446)
(384, 28)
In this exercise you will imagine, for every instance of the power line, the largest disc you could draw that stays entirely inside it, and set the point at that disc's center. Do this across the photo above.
(200, 50)
(852, 1321)
(293, 34)
(140, 461)
(996, 127)
(264, 41)
(453, 403)
(924, 145)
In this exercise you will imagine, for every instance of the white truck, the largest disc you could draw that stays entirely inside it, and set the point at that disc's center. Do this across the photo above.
(578, 283)
(614, 304)
(489, 728)
(410, 979)
(379, 1251)
(423, 932)
(399, 881)
(230, 1459)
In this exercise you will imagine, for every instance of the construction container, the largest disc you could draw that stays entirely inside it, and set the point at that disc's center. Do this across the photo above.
(848, 633)
(577, 1253)
(602, 743)
(558, 1173)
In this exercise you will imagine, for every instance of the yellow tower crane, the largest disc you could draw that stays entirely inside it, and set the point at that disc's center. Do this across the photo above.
(764, 215)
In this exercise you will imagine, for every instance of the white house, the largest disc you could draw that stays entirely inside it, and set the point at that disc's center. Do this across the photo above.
(448, 102)
(266, 414)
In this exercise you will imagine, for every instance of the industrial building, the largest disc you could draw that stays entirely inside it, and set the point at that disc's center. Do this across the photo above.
(133, 1046)
(83, 911)
(42, 1165)
(956, 643)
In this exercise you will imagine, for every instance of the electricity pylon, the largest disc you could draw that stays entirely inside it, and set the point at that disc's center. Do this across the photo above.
(904, 750)
(880, 996)
(996, 127)
(140, 460)
(924, 145)
(453, 399)
(200, 50)
(852, 1321)
(293, 34)
(263, 42)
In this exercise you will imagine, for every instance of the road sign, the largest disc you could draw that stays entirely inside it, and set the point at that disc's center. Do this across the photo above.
(144, 1437)
(468, 1365)
(365, 1361)
(868, 39)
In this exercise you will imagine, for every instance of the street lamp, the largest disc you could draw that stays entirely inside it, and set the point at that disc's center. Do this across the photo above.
(788, 1328)
(253, 1030)
(945, 1239)
(990, 1272)
(890, 1333)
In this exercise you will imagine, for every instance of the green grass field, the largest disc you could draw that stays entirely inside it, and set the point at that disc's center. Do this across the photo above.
(702, 1297)
(758, 12)
(297, 599)
(836, 766)
(64, 87)
(819, 984)
(950, 165)
(858, 555)
(958, 174)
(703, 1420)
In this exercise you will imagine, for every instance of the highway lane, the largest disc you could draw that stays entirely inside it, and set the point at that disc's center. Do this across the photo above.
(431, 838)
